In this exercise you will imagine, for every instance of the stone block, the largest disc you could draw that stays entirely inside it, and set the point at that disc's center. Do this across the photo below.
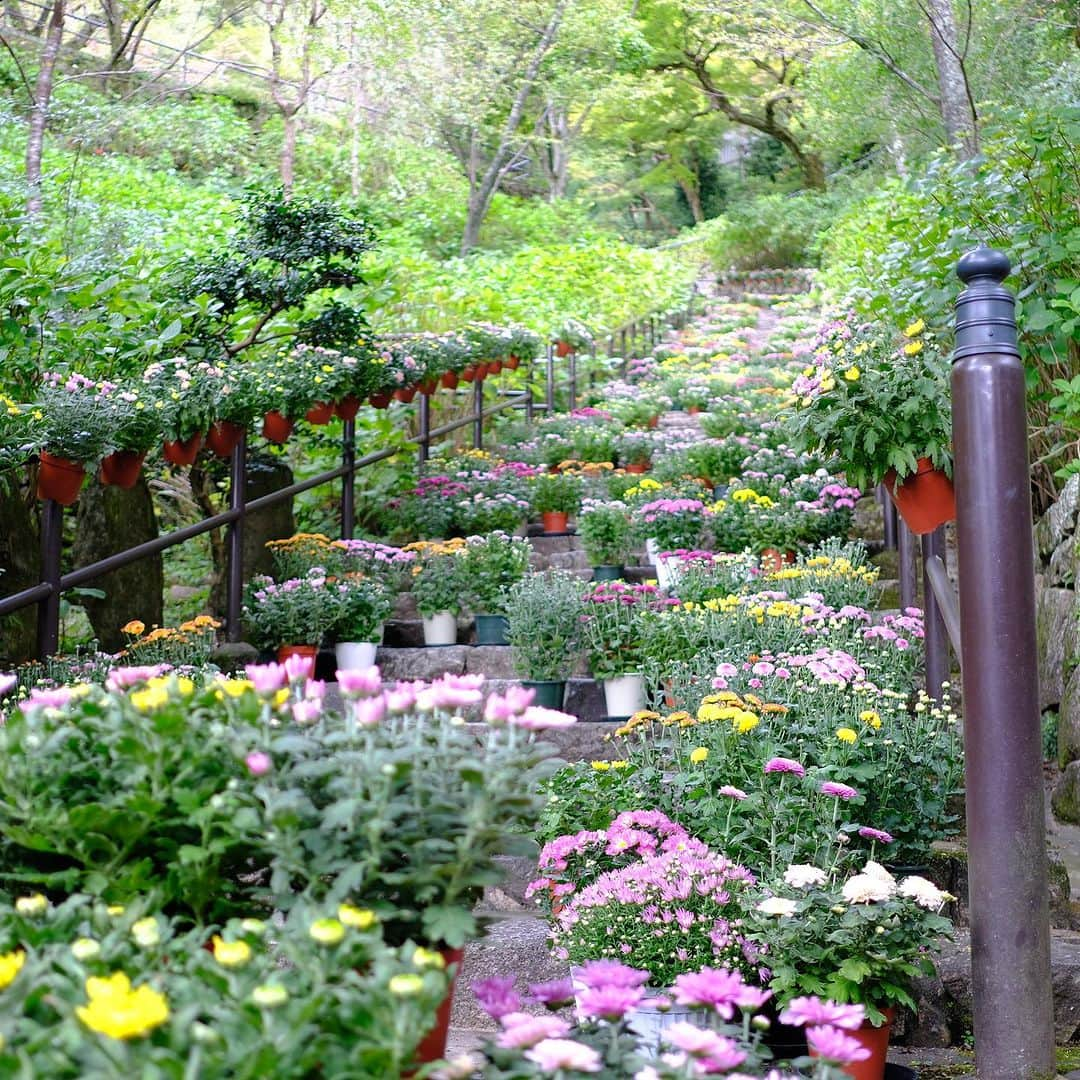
(232, 656)
(547, 546)
(1065, 800)
(405, 608)
(1059, 521)
(422, 663)
(1069, 720)
(1056, 635)
(585, 699)
(494, 661)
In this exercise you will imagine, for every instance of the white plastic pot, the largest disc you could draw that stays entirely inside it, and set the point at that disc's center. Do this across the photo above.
(355, 655)
(625, 695)
(440, 628)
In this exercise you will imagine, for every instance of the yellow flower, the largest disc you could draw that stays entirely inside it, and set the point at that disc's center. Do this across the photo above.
(913, 347)
(327, 931)
(601, 766)
(428, 958)
(745, 721)
(871, 717)
(253, 926)
(135, 628)
(357, 918)
(235, 688)
(620, 764)
(114, 1009)
(861, 348)
(185, 686)
(10, 965)
(146, 932)
(231, 953)
(915, 328)
(84, 948)
(269, 995)
(852, 374)
(845, 734)
(828, 383)
(699, 754)
(149, 699)
(406, 985)
(115, 909)
(32, 905)
(281, 697)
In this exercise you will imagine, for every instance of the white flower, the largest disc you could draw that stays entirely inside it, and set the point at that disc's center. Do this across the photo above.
(804, 876)
(876, 870)
(925, 893)
(867, 889)
(777, 905)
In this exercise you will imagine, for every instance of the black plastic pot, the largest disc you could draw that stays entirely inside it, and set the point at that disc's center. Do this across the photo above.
(608, 572)
(491, 630)
(549, 694)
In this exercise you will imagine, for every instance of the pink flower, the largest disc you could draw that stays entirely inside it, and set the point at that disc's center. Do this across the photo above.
(456, 691)
(258, 763)
(121, 678)
(711, 988)
(802, 1011)
(552, 994)
(307, 711)
(501, 708)
(609, 1002)
(497, 996)
(537, 718)
(784, 765)
(733, 792)
(401, 698)
(717, 1053)
(299, 668)
(598, 973)
(267, 679)
(555, 1054)
(360, 682)
(880, 835)
(9, 682)
(841, 791)
(46, 699)
(367, 712)
(834, 1046)
(315, 690)
(523, 1030)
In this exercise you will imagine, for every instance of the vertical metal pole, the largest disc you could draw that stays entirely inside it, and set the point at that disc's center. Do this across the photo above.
(906, 549)
(529, 390)
(478, 414)
(424, 450)
(888, 513)
(348, 481)
(622, 346)
(1006, 814)
(52, 536)
(937, 637)
(592, 365)
(572, 365)
(549, 388)
(234, 540)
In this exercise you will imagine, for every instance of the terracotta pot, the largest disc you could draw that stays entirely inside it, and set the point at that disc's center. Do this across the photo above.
(121, 468)
(469, 373)
(449, 380)
(772, 559)
(405, 394)
(563, 348)
(182, 451)
(924, 500)
(693, 410)
(654, 422)
(494, 367)
(223, 437)
(874, 1039)
(320, 414)
(276, 427)
(348, 407)
(380, 401)
(638, 467)
(429, 386)
(59, 479)
(512, 363)
(481, 371)
(433, 1045)
(285, 651)
(554, 521)
(669, 693)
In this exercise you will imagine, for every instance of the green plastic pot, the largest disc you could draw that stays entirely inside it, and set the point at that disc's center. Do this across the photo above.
(491, 630)
(549, 694)
(608, 572)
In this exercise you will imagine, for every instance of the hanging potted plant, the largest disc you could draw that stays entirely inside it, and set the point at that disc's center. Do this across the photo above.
(437, 587)
(571, 337)
(71, 425)
(882, 407)
(290, 617)
(360, 607)
(606, 531)
(184, 402)
(489, 566)
(134, 429)
(555, 496)
(543, 617)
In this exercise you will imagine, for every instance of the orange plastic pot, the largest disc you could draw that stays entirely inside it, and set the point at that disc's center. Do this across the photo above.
(554, 521)
(429, 386)
(285, 651)
(874, 1039)
(638, 467)
(449, 380)
(512, 363)
(481, 371)
(348, 407)
(925, 499)
(320, 414)
(773, 559)
(380, 401)
(405, 393)
(223, 437)
(433, 1045)
(494, 367)
(59, 478)
(693, 410)
(182, 451)
(563, 348)
(654, 421)
(121, 468)
(469, 373)
(276, 428)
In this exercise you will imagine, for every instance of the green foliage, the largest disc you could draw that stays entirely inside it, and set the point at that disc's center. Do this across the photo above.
(544, 625)
(490, 566)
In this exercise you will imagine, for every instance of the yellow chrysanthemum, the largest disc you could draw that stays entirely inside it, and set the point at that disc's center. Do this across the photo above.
(231, 953)
(119, 1012)
(600, 766)
(149, 698)
(10, 965)
(699, 754)
(269, 995)
(326, 931)
(422, 957)
(846, 734)
(912, 348)
(33, 905)
(871, 717)
(136, 628)
(852, 374)
(406, 985)
(357, 918)
(915, 328)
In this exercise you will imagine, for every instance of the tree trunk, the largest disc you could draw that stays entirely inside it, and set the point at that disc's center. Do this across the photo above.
(288, 152)
(693, 200)
(479, 201)
(39, 111)
(957, 107)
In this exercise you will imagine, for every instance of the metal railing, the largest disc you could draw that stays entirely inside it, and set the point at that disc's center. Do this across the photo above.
(634, 337)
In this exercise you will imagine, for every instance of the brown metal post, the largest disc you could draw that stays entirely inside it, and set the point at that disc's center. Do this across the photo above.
(1007, 865)
(48, 620)
(906, 550)
(529, 390)
(549, 387)
(888, 513)
(936, 641)
(478, 414)
(234, 540)
(572, 384)
(424, 408)
(348, 481)
(622, 345)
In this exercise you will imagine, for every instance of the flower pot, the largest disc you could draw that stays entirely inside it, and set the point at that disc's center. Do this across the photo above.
(638, 467)
(429, 386)
(59, 479)
(874, 1039)
(449, 380)
(121, 468)
(405, 394)
(380, 401)
(481, 371)
(494, 367)
(348, 407)
(433, 1045)
(669, 694)
(624, 695)
(773, 559)
(223, 437)
(285, 651)
(549, 692)
(182, 451)
(654, 422)
(276, 428)
(924, 500)
(563, 348)
(693, 410)
(608, 572)
(666, 572)
(440, 628)
(469, 373)
(554, 521)
(355, 655)
(512, 363)
(491, 630)
(320, 414)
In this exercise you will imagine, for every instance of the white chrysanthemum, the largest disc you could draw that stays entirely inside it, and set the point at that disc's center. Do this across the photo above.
(868, 889)
(875, 869)
(804, 876)
(925, 893)
(777, 905)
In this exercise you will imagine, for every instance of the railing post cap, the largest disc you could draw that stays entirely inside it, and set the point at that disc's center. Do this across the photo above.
(983, 262)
